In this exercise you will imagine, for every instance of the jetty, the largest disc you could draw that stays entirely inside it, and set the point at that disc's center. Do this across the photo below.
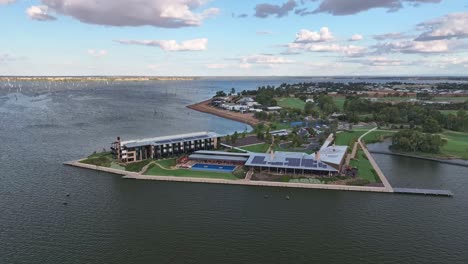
(423, 191)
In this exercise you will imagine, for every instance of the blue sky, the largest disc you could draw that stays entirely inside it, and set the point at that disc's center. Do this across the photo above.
(205, 38)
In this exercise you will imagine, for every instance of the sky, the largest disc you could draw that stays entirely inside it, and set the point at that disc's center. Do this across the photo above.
(234, 38)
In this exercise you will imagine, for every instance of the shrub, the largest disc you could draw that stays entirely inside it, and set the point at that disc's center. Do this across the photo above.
(358, 182)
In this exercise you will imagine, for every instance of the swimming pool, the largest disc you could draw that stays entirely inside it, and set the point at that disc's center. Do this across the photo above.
(213, 167)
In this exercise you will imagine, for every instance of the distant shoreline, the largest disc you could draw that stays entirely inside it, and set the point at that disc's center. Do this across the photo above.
(204, 107)
(95, 78)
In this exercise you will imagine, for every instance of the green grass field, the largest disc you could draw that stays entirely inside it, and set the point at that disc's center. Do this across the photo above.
(339, 101)
(158, 171)
(259, 148)
(365, 170)
(107, 160)
(345, 138)
(446, 112)
(457, 144)
(104, 159)
(377, 136)
(291, 102)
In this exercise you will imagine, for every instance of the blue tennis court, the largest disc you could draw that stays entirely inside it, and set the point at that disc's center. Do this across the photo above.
(213, 167)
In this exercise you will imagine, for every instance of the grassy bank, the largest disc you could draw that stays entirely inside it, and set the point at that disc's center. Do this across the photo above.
(259, 148)
(167, 171)
(347, 137)
(106, 159)
(457, 144)
(366, 171)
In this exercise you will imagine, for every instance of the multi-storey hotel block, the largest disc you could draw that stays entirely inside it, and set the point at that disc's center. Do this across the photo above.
(163, 147)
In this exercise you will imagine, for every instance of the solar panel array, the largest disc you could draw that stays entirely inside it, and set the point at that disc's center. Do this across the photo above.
(276, 163)
(259, 160)
(309, 163)
(293, 162)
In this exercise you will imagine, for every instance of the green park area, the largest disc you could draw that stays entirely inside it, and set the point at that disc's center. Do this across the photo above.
(447, 112)
(259, 148)
(365, 169)
(105, 159)
(346, 138)
(291, 102)
(165, 168)
(349, 137)
(339, 101)
(456, 144)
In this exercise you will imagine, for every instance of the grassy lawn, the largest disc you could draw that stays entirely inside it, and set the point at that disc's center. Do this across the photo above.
(278, 125)
(107, 160)
(457, 144)
(291, 102)
(447, 112)
(377, 136)
(365, 168)
(339, 101)
(137, 166)
(104, 159)
(347, 137)
(450, 98)
(158, 171)
(259, 148)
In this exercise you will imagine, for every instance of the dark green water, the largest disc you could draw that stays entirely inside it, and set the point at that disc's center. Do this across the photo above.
(111, 220)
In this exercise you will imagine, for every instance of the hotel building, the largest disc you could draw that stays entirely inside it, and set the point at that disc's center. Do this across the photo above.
(163, 147)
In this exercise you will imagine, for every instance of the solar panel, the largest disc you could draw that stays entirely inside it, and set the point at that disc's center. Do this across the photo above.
(309, 163)
(293, 162)
(258, 160)
(276, 163)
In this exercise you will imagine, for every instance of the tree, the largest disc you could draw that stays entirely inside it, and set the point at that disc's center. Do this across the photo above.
(233, 90)
(220, 94)
(309, 108)
(416, 141)
(234, 137)
(431, 125)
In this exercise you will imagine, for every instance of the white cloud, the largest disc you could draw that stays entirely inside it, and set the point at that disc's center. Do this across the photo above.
(348, 50)
(380, 62)
(245, 65)
(356, 37)
(40, 13)
(453, 25)
(158, 13)
(307, 36)
(217, 66)
(97, 53)
(264, 59)
(171, 45)
(410, 46)
(5, 2)
(153, 67)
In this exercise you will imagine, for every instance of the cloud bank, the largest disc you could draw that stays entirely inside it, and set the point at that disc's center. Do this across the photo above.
(158, 13)
(349, 7)
(170, 45)
(266, 10)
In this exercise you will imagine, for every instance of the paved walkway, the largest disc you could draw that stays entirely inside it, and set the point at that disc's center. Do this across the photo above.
(376, 167)
(138, 176)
